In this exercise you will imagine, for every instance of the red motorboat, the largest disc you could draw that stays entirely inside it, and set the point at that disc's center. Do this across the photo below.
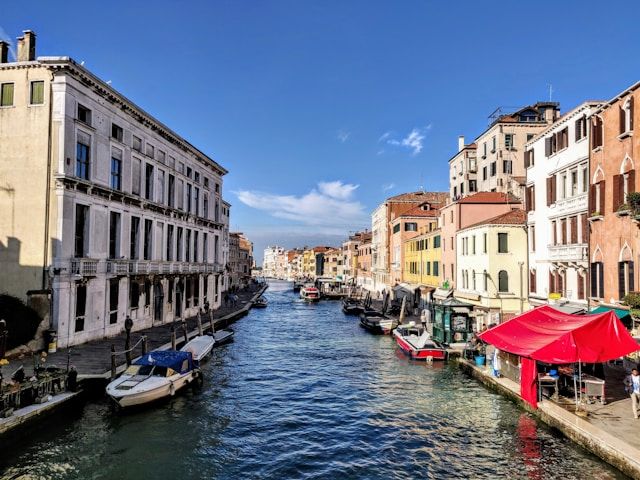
(415, 341)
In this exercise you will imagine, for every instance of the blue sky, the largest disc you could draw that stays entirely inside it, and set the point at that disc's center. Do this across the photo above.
(322, 109)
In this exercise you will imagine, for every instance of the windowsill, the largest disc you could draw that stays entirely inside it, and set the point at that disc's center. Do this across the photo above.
(35, 105)
(86, 125)
(623, 135)
(3, 107)
(623, 213)
(597, 149)
(595, 218)
(119, 142)
(581, 139)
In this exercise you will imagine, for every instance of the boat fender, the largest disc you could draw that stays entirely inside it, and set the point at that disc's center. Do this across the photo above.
(172, 389)
(429, 359)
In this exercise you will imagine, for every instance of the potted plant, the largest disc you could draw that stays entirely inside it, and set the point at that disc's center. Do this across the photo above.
(624, 209)
(595, 214)
(633, 200)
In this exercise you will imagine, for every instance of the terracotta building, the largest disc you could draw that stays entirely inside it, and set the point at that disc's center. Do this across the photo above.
(615, 236)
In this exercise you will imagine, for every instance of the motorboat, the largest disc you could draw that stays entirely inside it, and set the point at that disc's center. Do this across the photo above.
(377, 322)
(351, 306)
(415, 341)
(156, 375)
(297, 286)
(310, 293)
(200, 347)
(223, 336)
(260, 303)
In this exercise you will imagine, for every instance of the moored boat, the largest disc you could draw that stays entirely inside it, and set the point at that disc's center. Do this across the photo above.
(200, 347)
(260, 303)
(310, 293)
(223, 336)
(415, 341)
(297, 286)
(154, 376)
(377, 323)
(351, 306)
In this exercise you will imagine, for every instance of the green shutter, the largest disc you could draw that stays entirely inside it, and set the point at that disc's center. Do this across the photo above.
(6, 95)
(37, 93)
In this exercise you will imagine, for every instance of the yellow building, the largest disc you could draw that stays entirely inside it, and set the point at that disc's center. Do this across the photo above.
(422, 259)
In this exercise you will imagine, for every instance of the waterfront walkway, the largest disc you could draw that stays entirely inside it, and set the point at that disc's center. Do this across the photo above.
(93, 359)
(609, 431)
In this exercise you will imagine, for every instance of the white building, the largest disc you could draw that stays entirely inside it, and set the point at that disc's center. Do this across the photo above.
(273, 263)
(119, 215)
(556, 197)
(379, 248)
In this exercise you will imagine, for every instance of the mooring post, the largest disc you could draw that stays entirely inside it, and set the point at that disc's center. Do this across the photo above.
(173, 337)
(128, 325)
(144, 345)
(213, 325)
(199, 323)
(184, 330)
(113, 361)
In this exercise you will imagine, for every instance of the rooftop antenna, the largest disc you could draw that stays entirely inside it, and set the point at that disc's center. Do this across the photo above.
(550, 85)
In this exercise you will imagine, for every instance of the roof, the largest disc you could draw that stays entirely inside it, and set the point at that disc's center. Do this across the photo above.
(433, 197)
(548, 335)
(490, 197)
(418, 211)
(620, 313)
(513, 217)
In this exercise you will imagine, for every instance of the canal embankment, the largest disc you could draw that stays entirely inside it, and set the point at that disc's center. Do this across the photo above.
(609, 440)
(94, 362)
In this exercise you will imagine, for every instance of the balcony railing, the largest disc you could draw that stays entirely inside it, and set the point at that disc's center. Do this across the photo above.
(571, 204)
(568, 253)
(89, 267)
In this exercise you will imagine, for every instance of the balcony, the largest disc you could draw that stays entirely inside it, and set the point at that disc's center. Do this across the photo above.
(568, 253)
(87, 267)
(118, 267)
(571, 205)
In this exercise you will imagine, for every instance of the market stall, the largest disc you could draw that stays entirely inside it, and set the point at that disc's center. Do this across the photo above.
(545, 334)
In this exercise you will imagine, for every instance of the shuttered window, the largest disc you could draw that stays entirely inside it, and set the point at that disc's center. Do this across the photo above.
(532, 281)
(584, 238)
(574, 229)
(596, 132)
(503, 281)
(135, 176)
(6, 95)
(581, 282)
(503, 243)
(36, 95)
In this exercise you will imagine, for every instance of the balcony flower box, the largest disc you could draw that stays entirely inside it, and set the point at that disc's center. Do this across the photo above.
(595, 216)
(623, 211)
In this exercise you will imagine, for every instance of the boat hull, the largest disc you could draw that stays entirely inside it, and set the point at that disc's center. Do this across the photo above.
(378, 325)
(166, 390)
(423, 354)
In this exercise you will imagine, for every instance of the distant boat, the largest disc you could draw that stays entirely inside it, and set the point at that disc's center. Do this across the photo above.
(200, 347)
(310, 293)
(297, 286)
(377, 322)
(260, 303)
(154, 376)
(351, 306)
(223, 336)
(415, 341)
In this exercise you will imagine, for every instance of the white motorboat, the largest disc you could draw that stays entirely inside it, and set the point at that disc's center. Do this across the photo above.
(223, 336)
(154, 376)
(310, 293)
(200, 347)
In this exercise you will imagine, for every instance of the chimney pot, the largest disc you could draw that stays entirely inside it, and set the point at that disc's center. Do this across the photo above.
(27, 46)
(460, 142)
(4, 52)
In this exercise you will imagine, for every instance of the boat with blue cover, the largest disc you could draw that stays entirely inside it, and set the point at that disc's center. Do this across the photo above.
(154, 376)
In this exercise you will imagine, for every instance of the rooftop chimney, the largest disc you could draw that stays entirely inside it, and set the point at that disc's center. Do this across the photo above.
(460, 143)
(27, 46)
(4, 52)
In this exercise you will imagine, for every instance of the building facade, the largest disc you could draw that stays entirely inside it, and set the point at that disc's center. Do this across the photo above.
(463, 171)
(423, 258)
(556, 199)
(125, 216)
(492, 267)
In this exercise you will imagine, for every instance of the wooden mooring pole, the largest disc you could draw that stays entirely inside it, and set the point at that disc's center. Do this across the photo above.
(173, 337)
(199, 323)
(113, 361)
(144, 345)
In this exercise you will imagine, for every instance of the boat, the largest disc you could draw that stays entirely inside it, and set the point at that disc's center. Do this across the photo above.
(297, 286)
(377, 322)
(351, 306)
(260, 303)
(154, 376)
(415, 341)
(223, 336)
(200, 347)
(310, 293)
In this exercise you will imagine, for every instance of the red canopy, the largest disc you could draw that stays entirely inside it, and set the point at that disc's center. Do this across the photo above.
(548, 335)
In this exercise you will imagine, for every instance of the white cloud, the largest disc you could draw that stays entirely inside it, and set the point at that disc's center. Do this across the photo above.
(414, 140)
(388, 186)
(343, 135)
(330, 206)
(7, 38)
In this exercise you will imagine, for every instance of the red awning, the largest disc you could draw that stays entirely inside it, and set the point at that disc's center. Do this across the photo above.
(548, 335)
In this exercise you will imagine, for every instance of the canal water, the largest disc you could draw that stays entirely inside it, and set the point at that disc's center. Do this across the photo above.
(304, 392)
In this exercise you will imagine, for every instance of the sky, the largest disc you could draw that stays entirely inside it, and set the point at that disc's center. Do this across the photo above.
(321, 110)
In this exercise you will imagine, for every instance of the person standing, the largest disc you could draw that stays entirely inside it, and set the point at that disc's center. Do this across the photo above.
(632, 387)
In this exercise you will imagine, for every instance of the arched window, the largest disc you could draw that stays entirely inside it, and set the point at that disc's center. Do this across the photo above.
(503, 281)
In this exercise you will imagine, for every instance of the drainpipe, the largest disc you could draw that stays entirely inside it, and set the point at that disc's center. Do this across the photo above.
(47, 208)
(521, 264)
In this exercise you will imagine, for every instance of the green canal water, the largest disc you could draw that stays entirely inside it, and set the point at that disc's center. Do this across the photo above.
(305, 393)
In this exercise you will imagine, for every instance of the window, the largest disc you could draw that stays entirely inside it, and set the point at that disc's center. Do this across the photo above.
(503, 281)
(503, 243)
(189, 172)
(596, 132)
(84, 114)
(473, 279)
(137, 144)
(6, 95)
(187, 247)
(436, 241)
(205, 248)
(532, 241)
(574, 182)
(484, 173)
(133, 239)
(169, 254)
(36, 95)
(116, 169)
(530, 136)
(147, 293)
(114, 235)
(509, 139)
(134, 294)
(150, 150)
(114, 291)
(563, 185)
(529, 158)
(116, 132)
(410, 227)
(626, 116)
(179, 245)
(195, 246)
(217, 188)
(82, 231)
(473, 186)
(83, 156)
(507, 166)
(493, 144)
(581, 128)
(484, 243)
(148, 241)
(81, 306)
(160, 184)
(473, 245)
(493, 169)
(625, 278)
(597, 280)
(189, 203)
(171, 191)
(196, 177)
(148, 193)
(196, 199)
(436, 267)
(205, 206)
(161, 156)
(532, 281)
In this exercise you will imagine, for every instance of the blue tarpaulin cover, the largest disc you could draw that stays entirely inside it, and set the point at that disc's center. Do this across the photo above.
(167, 358)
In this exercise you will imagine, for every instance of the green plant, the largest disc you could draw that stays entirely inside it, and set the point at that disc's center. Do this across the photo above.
(595, 214)
(624, 207)
(633, 199)
(632, 299)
